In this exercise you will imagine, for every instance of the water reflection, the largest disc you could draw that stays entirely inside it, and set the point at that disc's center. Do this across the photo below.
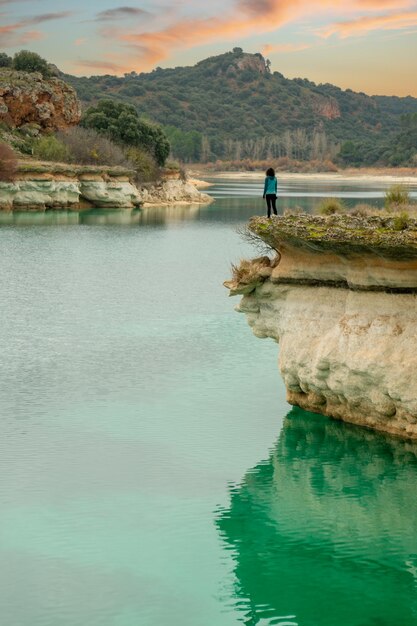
(323, 532)
(149, 216)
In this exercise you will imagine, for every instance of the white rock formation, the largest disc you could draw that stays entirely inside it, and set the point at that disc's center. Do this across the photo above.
(173, 191)
(348, 354)
(35, 192)
(346, 323)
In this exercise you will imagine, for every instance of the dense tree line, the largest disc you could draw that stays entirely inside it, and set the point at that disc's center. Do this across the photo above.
(221, 106)
(398, 150)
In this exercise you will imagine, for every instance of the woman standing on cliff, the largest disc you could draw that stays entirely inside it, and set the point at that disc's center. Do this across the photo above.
(270, 191)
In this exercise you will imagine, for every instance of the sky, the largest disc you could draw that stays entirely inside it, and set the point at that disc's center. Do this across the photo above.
(364, 45)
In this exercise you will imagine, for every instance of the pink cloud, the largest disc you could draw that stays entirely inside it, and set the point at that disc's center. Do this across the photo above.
(11, 35)
(366, 24)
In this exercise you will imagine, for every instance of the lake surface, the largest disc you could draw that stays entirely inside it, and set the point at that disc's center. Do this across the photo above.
(151, 472)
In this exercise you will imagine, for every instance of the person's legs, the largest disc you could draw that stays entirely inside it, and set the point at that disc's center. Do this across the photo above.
(268, 204)
(274, 204)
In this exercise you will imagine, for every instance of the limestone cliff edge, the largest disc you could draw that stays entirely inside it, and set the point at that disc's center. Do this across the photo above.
(340, 297)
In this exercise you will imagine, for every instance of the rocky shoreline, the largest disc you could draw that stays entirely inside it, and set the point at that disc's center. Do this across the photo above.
(40, 187)
(340, 297)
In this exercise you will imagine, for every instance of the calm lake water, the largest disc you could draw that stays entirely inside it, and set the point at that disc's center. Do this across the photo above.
(151, 472)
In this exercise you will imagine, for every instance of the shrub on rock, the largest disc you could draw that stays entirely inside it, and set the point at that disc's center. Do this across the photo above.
(8, 163)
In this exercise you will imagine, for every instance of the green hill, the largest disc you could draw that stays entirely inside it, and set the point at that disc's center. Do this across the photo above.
(232, 106)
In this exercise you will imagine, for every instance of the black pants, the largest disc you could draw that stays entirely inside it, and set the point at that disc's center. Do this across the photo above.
(271, 202)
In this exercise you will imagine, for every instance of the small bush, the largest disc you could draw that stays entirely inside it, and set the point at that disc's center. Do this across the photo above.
(86, 147)
(144, 165)
(397, 195)
(25, 61)
(49, 148)
(330, 206)
(364, 210)
(8, 163)
(401, 221)
(5, 60)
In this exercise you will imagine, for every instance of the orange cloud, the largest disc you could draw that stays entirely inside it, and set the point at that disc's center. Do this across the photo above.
(284, 47)
(363, 25)
(105, 66)
(148, 48)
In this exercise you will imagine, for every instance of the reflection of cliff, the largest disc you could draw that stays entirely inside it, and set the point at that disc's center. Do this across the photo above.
(155, 216)
(323, 534)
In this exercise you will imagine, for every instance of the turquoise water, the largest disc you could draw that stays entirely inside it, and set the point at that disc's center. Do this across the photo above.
(151, 472)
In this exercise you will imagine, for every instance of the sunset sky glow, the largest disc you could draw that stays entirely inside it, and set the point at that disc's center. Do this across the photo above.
(366, 45)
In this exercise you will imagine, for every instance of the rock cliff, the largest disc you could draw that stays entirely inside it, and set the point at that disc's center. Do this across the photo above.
(28, 98)
(340, 297)
(52, 186)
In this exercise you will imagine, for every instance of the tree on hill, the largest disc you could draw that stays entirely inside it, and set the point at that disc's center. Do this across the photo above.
(25, 61)
(122, 124)
(5, 60)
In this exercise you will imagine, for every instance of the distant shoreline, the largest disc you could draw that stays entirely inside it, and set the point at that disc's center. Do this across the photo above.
(346, 175)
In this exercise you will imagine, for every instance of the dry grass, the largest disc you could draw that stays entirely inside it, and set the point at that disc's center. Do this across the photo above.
(364, 210)
(330, 206)
(397, 196)
(249, 271)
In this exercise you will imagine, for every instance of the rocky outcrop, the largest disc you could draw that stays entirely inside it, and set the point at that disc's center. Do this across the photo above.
(326, 107)
(38, 188)
(47, 186)
(172, 191)
(340, 298)
(28, 98)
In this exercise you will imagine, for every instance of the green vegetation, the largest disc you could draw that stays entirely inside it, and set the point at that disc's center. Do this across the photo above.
(5, 60)
(401, 221)
(49, 148)
(25, 61)
(231, 107)
(397, 196)
(121, 123)
(395, 149)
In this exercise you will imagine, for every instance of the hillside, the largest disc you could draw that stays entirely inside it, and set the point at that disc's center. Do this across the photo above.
(232, 106)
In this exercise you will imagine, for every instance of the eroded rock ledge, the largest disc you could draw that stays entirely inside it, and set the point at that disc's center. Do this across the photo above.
(39, 187)
(340, 297)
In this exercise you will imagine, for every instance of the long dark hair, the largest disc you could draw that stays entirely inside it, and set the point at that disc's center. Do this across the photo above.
(270, 172)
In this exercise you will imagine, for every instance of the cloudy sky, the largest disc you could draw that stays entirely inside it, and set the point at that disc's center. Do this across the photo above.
(365, 45)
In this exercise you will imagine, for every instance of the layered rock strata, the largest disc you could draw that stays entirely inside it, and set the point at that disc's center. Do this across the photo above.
(340, 297)
(41, 187)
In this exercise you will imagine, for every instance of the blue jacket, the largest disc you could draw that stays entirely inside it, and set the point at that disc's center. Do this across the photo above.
(271, 185)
